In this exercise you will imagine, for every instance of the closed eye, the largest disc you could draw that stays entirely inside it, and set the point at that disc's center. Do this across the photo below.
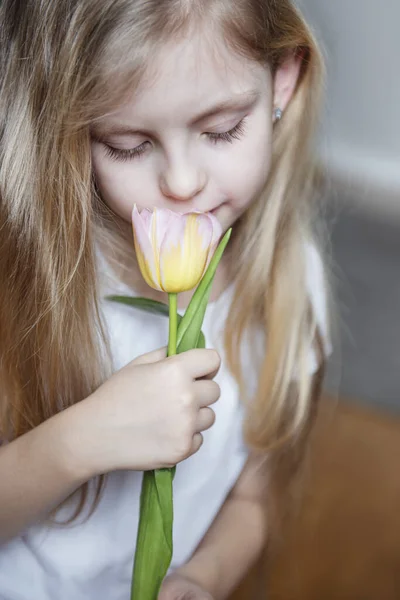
(228, 136)
(125, 155)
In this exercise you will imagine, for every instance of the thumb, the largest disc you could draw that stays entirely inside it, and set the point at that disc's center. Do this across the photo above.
(151, 357)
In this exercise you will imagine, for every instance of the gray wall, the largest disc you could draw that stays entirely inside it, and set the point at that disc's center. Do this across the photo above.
(360, 146)
(361, 128)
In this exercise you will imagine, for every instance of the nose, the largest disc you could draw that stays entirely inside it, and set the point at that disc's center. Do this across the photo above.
(182, 181)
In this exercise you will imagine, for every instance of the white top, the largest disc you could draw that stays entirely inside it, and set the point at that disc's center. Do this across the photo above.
(93, 559)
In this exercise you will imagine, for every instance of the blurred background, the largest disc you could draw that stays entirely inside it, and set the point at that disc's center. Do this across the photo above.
(344, 542)
(360, 151)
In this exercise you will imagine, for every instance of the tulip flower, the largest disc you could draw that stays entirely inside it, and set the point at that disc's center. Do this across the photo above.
(175, 252)
(173, 249)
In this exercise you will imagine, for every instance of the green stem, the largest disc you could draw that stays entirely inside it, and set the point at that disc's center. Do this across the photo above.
(173, 323)
(204, 287)
(154, 539)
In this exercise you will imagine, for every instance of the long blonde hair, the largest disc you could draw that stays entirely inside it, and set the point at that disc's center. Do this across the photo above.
(65, 64)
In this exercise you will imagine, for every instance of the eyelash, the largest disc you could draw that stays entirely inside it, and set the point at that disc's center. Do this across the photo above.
(226, 136)
(125, 155)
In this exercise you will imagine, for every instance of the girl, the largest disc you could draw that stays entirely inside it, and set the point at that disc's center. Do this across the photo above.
(184, 104)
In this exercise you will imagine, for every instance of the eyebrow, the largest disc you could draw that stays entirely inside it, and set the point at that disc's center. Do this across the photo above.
(100, 131)
(239, 102)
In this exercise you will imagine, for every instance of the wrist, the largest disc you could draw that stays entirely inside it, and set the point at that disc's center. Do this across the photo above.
(75, 441)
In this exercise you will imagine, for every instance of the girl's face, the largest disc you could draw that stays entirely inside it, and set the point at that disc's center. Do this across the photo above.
(196, 135)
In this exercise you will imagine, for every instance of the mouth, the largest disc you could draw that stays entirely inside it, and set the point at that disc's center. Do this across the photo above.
(216, 210)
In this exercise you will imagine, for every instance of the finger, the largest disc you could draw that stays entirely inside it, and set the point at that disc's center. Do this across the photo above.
(151, 357)
(202, 362)
(205, 419)
(210, 375)
(206, 392)
(197, 442)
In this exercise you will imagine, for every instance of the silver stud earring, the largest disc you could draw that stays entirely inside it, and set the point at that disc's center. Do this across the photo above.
(277, 114)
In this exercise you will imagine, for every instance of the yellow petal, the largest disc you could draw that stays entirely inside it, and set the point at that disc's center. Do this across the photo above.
(184, 252)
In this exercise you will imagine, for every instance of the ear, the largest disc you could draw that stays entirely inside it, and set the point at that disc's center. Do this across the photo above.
(285, 80)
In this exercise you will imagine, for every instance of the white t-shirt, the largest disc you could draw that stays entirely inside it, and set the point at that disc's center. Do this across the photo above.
(92, 559)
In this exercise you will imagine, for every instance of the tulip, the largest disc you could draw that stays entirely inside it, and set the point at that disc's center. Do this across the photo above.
(175, 253)
(174, 249)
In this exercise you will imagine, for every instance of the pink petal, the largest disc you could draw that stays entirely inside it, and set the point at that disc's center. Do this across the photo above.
(205, 228)
(216, 236)
(217, 229)
(144, 249)
(146, 215)
(163, 218)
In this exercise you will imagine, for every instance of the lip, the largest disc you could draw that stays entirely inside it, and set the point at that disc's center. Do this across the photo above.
(215, 210)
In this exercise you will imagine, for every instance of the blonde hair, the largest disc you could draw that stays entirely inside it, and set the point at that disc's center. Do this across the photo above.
(57, 62)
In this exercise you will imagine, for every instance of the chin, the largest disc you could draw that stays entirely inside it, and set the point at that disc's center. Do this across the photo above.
(223, 214)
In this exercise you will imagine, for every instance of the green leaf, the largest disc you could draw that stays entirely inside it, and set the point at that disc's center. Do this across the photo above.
(192, 336)
(192, 320)
(154, 541)
(158, 308)
(150, 306)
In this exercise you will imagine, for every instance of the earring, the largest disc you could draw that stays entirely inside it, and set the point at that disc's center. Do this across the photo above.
(278, 114)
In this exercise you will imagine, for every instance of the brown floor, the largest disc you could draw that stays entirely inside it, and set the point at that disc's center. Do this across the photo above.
(345, 544)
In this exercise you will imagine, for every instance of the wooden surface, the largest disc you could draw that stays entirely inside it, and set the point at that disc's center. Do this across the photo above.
(345, 543)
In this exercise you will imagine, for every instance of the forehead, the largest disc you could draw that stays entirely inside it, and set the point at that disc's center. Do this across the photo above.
(190, 74)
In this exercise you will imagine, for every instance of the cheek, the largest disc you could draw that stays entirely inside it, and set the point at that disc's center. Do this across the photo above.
(248, 171)
(119, 187)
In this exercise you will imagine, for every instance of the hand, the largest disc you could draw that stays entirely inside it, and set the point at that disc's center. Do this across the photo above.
(177, 587)
(150, 414)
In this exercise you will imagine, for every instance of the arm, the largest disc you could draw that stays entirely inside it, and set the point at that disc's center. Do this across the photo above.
(136, 420)
(38, 471)
(234, 541)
